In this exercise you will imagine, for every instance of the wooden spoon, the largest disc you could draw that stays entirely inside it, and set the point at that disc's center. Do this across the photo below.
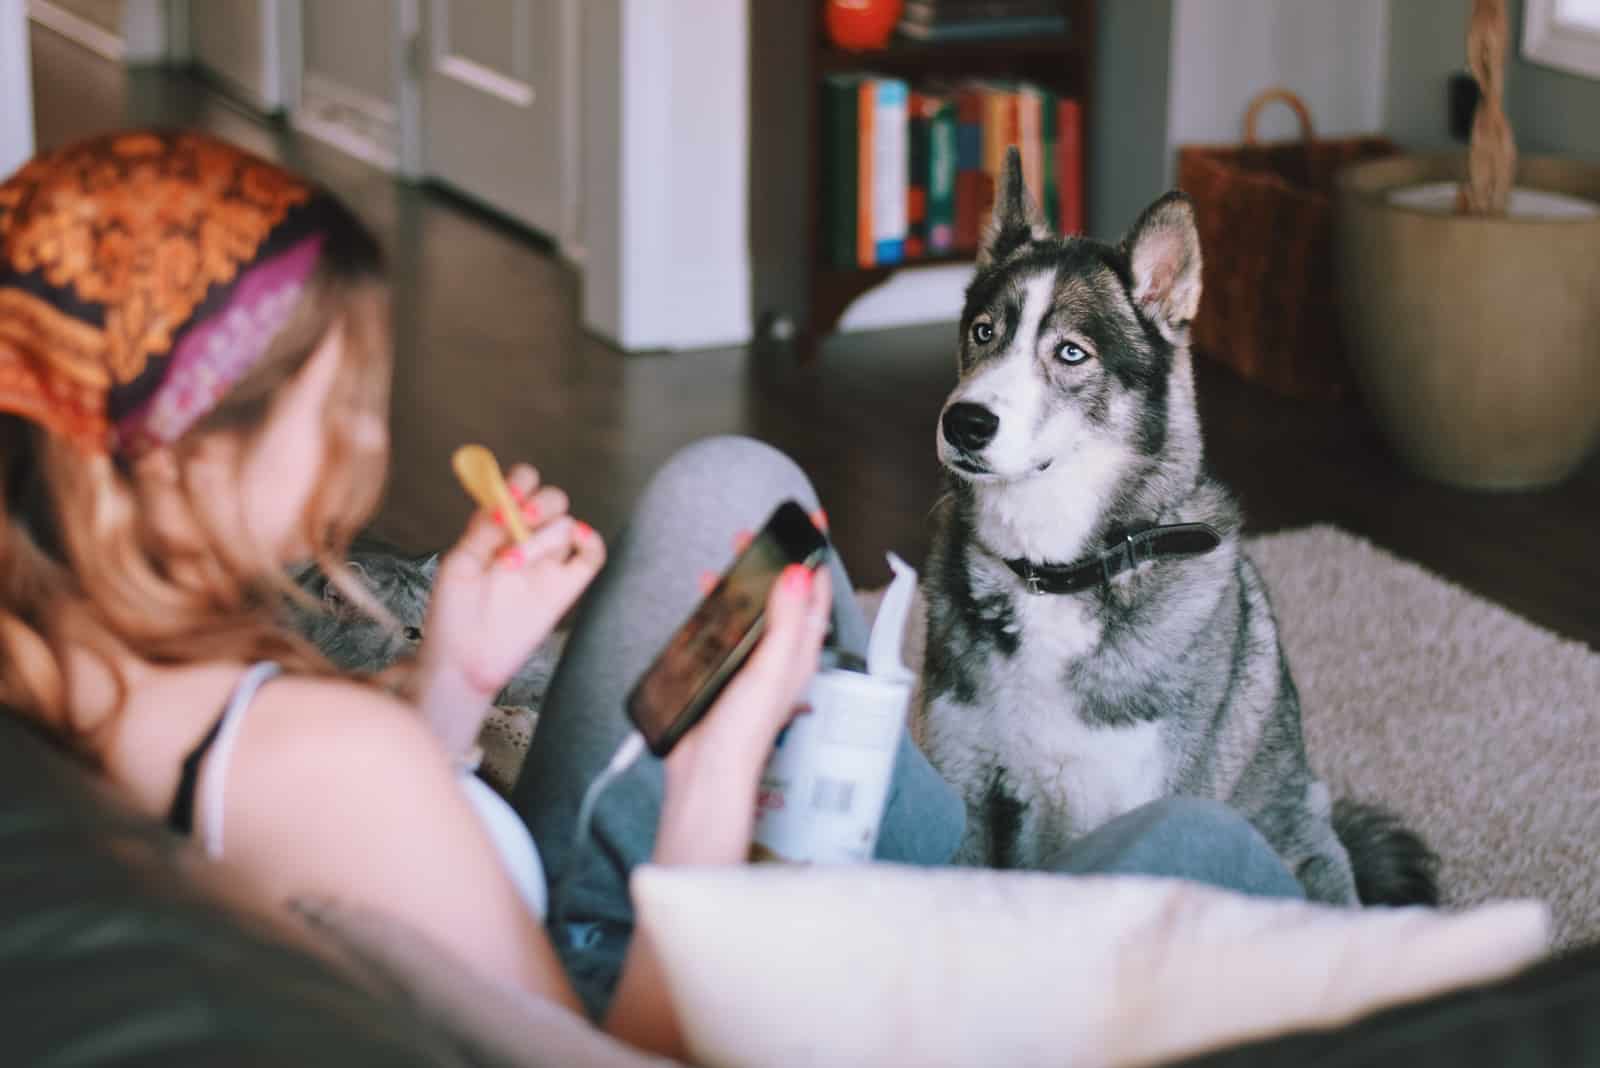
(480, 475)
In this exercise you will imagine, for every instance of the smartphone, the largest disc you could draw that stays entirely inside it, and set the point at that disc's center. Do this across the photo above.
(698, 660)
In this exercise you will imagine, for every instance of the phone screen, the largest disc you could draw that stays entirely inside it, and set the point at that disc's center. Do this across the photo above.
(704, 653)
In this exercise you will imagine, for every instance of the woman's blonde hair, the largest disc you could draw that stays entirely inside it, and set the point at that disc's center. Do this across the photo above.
(83, 566)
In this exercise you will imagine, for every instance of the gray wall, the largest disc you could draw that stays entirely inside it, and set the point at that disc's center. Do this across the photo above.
(1128, 131)
(1550, 111)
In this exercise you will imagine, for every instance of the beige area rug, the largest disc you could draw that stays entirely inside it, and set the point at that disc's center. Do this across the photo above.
(1480, 729)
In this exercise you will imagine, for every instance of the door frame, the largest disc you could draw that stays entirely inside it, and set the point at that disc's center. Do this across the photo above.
(16, 87)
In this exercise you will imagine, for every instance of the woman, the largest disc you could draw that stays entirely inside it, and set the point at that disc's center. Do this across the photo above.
(193, 378)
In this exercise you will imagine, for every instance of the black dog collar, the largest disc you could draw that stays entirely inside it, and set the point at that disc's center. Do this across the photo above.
(1178, 539)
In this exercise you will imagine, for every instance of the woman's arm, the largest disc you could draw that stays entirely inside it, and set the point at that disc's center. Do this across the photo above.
(338, 791)
(712, 775)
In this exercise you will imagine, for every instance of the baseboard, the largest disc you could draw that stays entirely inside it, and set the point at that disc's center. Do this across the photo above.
(77, 29)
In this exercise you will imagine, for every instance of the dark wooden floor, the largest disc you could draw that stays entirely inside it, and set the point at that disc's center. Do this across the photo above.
(489, 349)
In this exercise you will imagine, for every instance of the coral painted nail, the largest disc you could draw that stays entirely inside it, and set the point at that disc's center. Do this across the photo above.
(512, 558)
(583, 530)
(819, 519)
(796, 579)
(530, 510)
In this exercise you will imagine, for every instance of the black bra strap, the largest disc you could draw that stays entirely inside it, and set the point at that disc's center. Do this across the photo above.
(181, 816)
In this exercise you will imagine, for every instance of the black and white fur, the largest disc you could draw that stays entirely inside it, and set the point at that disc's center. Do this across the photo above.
(1055, 713)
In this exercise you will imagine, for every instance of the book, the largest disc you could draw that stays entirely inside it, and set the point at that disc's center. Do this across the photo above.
(969, 167)
(985, 29)
(919, 129)
(1069, 155)
(1050, 193)
(840, 94)
(1000, 132)
(866, 115)
(884, 178)
(942, 156)
(932, 11)
(1031, 104)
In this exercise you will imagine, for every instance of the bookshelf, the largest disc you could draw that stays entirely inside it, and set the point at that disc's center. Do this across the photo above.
(793, 279)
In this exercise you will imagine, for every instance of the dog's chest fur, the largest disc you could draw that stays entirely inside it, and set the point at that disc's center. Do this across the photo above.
(1010, 732)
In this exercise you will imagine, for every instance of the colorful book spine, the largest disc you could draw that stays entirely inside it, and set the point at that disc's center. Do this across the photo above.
(1031, 102)
(1050, 193)
(918, 133)
(839, 108)
(866, 118)
(942, 162)
(1069, 154)
(1000, 132)
(890, 170)
(969, 167)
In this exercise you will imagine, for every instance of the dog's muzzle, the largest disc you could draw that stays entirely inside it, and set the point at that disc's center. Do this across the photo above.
(969, 427)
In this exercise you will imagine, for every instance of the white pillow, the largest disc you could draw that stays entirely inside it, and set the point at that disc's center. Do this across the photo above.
(881, 964)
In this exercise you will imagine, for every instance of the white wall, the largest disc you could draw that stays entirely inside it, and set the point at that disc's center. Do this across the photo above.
(1333, 53)
(665, 218)
(16, 87)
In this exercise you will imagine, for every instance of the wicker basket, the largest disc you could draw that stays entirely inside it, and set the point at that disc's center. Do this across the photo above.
(1269, 308)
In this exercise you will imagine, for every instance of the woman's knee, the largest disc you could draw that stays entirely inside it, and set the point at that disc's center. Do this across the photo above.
(731, 464)
(715, 458)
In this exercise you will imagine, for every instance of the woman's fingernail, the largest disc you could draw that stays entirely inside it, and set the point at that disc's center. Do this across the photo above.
(530, 510)
(512, 558)
(796, 579)
(819, 519)
(583, 531)
(500, 517)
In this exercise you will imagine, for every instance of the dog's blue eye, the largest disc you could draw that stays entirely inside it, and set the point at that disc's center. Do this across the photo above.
(1070, 353)
(982, 333)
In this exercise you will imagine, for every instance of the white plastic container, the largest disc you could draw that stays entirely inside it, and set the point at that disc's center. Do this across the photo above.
(827, 782)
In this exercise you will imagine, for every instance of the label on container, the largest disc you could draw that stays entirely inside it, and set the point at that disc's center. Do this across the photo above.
(826, 784)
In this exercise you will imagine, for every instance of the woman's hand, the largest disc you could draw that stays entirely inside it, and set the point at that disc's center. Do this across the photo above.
(493, 603)
(709, 808)
(712, 774)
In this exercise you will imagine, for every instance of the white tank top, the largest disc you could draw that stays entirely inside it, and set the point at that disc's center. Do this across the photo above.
(509, 834)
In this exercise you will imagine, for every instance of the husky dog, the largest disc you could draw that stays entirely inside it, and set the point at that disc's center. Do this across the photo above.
(1097, 638)
(355, 642)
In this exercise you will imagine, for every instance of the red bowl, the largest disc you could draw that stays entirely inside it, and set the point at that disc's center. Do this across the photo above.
(862, 24)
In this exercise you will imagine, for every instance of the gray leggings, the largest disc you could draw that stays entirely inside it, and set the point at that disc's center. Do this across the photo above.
(684, 525)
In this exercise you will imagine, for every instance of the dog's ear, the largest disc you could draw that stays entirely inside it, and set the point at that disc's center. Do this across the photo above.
(1016, 219)
(1163, 250)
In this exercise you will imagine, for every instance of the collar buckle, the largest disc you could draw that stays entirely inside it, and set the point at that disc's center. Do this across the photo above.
(1124, 556)
(1034, 585)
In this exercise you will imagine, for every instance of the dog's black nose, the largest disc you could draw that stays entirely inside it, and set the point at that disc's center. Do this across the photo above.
(969, 427)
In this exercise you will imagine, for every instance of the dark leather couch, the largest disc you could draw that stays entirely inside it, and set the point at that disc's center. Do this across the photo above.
(118, 947)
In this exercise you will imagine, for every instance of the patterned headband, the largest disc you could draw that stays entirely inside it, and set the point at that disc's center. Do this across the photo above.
(142, 275)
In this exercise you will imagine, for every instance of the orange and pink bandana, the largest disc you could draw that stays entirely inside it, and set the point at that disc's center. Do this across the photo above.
(142, 275)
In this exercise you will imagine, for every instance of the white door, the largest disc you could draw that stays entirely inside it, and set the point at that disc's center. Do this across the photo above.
(496, 93)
